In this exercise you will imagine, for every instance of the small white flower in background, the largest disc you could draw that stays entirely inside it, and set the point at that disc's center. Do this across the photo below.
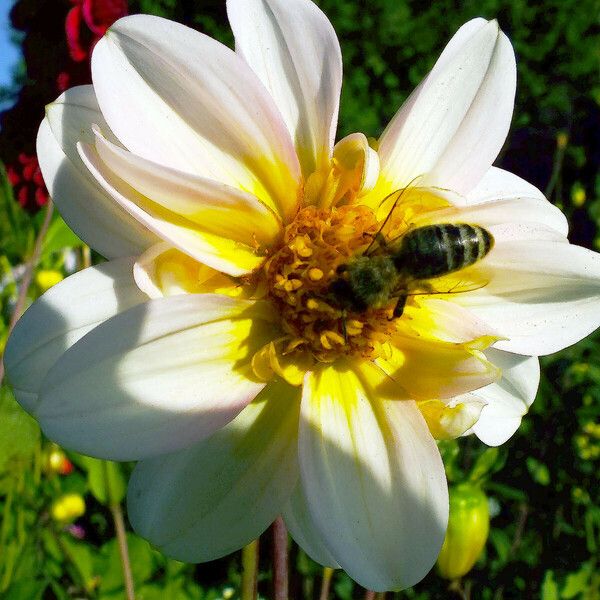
(208, 348)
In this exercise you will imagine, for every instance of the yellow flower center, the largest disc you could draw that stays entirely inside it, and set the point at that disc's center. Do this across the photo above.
(299, 275)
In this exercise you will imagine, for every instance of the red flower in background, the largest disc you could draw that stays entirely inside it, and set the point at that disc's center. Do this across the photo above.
(26, 179)
(95, 15)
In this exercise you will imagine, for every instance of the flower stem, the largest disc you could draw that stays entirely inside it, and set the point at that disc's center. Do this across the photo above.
(280, 560)
(249, 570)
(119, 523)
(30, 266)
(117, 515)
(325, 583)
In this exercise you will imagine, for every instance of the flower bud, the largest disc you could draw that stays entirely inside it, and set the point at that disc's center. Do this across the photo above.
(67, 508)
(468, 528)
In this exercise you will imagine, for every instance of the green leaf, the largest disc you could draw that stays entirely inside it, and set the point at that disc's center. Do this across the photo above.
(16, 226)
(106, 480)
(343, 585)
(82, 558)
(31, 589)
(577, 583)
(58, 237)
(538, 471)
(502, 544)
(549, 587)
(486, 463)
(19, 433)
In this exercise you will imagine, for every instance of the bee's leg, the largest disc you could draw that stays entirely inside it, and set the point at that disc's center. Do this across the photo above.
(380, 239)
(344, 330)
(399, 308)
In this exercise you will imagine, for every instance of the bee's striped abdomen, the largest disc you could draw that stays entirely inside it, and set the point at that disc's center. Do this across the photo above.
(437, 250)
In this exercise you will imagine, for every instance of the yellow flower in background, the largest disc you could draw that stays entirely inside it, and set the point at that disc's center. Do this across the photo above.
(226, 345)
(67, 508)
(46, 278)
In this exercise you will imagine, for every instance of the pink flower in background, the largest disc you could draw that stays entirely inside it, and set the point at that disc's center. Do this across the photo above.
(95, 15)
(27, 181)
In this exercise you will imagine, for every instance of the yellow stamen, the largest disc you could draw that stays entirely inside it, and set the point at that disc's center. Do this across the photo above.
(298, 277)
(315, 274)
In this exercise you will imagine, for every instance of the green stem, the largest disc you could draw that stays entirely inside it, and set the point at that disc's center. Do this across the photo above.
(325, 583)
(249, 570)
(117, 515)
(119, 524)
(559, 156)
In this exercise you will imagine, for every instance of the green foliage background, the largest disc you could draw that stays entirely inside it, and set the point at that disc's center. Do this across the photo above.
(542, 485)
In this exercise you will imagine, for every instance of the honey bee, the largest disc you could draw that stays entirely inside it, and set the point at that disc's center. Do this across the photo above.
(396, 268)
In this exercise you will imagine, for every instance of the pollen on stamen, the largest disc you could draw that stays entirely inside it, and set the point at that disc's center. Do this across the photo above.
(300, 273)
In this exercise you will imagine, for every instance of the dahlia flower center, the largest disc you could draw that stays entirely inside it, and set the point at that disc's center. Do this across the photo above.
(299, 277)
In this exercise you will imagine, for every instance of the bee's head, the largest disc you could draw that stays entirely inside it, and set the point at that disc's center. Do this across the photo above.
(341, 293)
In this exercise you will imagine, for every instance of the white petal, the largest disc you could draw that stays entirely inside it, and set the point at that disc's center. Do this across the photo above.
(155, 378)
(508, 399)
(541, 295)
(353, 153)
(373, 478)
(428, 368)
(181, 99)
(454, 124)
(498, 184)
(225, 217)
(446, 321)
(303, 529)
(218, 495)
(292, 47)
(506, 218)
(87, 209)
(62, 316)
(221, 253)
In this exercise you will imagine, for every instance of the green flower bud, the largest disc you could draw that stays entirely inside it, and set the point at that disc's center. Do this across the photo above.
(468, 528)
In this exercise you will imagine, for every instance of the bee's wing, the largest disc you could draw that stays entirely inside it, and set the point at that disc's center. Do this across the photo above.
(454, 283)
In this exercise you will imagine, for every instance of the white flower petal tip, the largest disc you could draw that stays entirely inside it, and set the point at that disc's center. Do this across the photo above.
(454, 124)
(213, 498)
(542, 295)
(155, 378)
(62, 316)
(449, 420)
(84, 205)
(373, 478)
(508, 400)
(293, 48)
(302, 528)
(183, 100)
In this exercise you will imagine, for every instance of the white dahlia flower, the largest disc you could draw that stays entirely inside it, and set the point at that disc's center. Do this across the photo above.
(215, 348)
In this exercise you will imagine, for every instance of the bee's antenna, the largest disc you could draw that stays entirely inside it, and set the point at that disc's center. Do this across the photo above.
(400, 193)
